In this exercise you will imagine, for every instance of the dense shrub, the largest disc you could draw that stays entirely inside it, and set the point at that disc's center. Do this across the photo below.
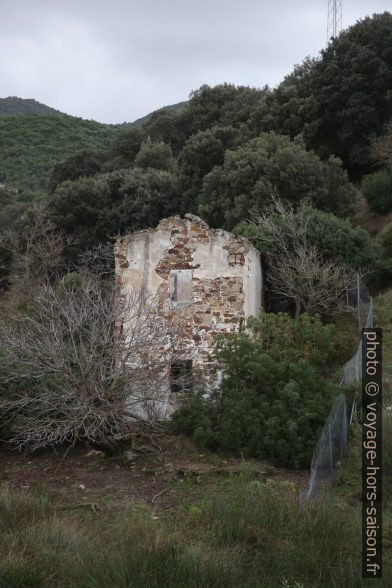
(350, 83)
(377, 189)
(201, 152)
(271, 403)
(156, 155)
(272, 166)
(322, 345)
(83, 164)
(165, 125)
(94, 209)
(224, 104)
(124, 150)
(334, 238)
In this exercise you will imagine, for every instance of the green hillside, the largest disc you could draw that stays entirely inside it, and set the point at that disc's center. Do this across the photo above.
(141, 121)
(20, 106)
(31, 144)
(34, 137)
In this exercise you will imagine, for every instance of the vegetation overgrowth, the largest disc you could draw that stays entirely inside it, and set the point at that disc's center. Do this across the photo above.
(256, 533)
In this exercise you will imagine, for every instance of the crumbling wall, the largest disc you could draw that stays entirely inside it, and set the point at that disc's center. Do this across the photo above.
(226, 279)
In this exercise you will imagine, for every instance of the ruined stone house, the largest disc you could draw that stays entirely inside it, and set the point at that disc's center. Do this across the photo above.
(208, 278)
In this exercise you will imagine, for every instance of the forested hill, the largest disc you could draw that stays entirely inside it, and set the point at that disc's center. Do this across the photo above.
(31, 144)
(34, 137)
(20, 106)
(144, 119)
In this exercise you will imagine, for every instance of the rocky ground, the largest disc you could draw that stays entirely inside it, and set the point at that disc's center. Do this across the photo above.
(157, 476)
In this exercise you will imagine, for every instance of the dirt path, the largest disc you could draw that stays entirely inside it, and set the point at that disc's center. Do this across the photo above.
(154, 480)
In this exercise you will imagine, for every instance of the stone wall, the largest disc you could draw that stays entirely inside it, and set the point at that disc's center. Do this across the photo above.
(226, 279)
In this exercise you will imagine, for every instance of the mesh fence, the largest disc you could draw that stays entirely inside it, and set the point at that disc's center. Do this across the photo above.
(352, 369)
(332, 445)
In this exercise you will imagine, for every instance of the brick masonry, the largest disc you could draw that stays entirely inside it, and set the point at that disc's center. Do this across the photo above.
(226, 279)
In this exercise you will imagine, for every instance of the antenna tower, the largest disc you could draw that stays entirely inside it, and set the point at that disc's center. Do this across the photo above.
(335, 20)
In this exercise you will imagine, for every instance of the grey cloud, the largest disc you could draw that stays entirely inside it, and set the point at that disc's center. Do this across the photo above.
(117, 60)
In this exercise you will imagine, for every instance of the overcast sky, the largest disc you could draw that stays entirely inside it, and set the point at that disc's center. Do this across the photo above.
(117, 60)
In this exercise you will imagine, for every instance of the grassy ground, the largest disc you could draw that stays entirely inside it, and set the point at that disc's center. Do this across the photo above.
(177, 518)
(254, 534)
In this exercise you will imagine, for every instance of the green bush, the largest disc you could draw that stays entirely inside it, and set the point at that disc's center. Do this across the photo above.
(325, 346)
(92, 209)
(305, 338)
(272, 166)
(377, 189)
(270, 404)
(333, 237)
(156, 155)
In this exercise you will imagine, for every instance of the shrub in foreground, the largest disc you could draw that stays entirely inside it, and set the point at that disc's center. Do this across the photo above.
(304, 338)
(267, 405)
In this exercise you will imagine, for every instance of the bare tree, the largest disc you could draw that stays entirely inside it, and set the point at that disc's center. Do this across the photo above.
(37, 250)
(98, 260)
(84, 364)
(297, 270)
(314, 284)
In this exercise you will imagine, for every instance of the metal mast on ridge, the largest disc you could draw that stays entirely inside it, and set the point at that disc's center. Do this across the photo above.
(335, 19)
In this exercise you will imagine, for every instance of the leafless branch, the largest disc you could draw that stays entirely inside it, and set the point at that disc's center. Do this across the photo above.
(37, 250)
(98, 260)
(297, 270)
(83, 364)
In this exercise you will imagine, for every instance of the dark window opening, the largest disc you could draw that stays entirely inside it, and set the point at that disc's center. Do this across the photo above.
(181, 376)
(174, 287)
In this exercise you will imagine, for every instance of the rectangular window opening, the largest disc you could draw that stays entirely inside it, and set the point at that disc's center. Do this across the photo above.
(180, 282)
(181, 376)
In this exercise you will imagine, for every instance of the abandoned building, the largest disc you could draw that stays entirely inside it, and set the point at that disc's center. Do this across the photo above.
(208, 278)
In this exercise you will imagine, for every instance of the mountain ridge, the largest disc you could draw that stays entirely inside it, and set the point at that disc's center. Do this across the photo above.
(15, 106)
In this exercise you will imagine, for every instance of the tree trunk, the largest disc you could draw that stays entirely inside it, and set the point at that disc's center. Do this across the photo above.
(109, 446)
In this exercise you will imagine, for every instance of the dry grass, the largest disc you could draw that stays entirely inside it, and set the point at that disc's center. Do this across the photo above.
(254, 534)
